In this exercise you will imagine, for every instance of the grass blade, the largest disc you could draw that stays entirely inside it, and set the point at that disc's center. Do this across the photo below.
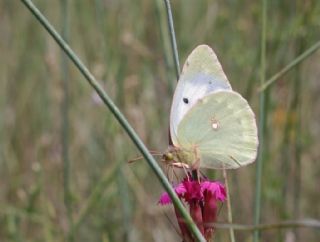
(173, 38)
(65, 118)
(262, 122)
(290, 66)
(231, 231)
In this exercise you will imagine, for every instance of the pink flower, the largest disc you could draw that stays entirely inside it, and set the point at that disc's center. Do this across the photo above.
(165, 198)
(202, 197)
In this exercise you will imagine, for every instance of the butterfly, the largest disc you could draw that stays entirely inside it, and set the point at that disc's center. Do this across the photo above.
(211, 126)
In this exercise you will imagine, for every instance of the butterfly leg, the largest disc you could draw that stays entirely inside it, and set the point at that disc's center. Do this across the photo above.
(196, 165)
(186, 172)
(175, 174)
(167, 167)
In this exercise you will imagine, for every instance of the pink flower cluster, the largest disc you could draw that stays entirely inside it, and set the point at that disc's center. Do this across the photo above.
(202, 198)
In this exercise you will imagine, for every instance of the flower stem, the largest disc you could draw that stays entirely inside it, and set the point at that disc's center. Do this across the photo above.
(289, 224)
(173, 38)
(65, 120)
(262, 122)
(232, 237)
(290, 66)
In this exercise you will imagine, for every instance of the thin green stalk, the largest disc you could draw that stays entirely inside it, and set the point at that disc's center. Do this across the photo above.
(297, 89)
(165, 41)
(118, 115)
(173, 38)
(297, 154)
(285, 163)
(65, 117)
(290, 66)
(125, 203)
(303, 223)
(231, 230)
(262, 123)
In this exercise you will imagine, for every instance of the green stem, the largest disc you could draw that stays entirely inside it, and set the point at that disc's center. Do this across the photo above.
(231, 230)
(173, 38)
(303, 223)
(262, 122)
(65, 118)
(165, 41)
(118, 115)
(290, 66)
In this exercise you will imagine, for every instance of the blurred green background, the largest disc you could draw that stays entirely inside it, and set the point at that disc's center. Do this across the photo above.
(50, 117)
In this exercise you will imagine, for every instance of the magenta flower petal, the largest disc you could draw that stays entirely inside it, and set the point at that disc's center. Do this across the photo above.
(209, 214)
(202, 197)
(180, 189)
(196, 214)
(193, 191)
(213, 192)
(217, 189)
(165, 198)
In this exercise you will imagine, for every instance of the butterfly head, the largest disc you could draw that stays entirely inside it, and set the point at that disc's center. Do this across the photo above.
(181, 158)
(168, 157)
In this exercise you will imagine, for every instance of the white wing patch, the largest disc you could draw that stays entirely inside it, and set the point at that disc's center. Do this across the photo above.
(202, 74)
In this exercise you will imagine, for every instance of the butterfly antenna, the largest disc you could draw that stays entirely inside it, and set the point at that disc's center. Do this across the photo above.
(155, 152)
(152, 152)
(135, 159)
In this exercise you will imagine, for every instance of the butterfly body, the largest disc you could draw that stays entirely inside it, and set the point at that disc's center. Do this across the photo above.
(211, 126)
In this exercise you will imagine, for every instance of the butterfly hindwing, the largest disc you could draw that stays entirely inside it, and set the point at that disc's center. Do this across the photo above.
(202, 74)
(222, 127)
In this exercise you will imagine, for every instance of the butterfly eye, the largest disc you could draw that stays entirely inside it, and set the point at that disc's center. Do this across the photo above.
(185, 100)
(168, 156)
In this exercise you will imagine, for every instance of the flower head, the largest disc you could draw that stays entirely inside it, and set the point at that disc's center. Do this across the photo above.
(202, 197)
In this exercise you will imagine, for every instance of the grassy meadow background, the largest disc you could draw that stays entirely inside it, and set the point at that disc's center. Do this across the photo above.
(63, 157)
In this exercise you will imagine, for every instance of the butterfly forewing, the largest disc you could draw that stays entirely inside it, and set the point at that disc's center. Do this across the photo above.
(202, 74)
(222, 128)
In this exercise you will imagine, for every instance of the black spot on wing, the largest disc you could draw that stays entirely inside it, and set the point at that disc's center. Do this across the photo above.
(185, 100)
